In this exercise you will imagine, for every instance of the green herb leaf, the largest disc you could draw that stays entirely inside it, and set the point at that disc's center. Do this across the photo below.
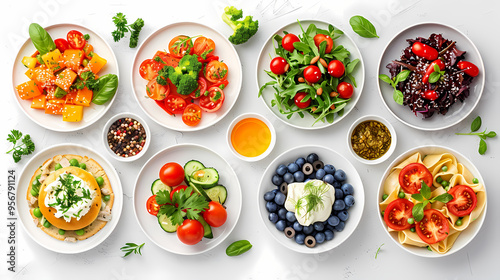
(418, 211)
(351, 66)
(425, 191)
(476, 124)
(130, 248)
(402, 76)
(444, 198)
(491, 134)
(238, 247)
(385, 78)
(108, 84)
(398, 97)
(184, 202)
(378, 250)
(434, 77)
(363, 27)
(417, 197)
(482, 147)
(41, 39)
(26, 146)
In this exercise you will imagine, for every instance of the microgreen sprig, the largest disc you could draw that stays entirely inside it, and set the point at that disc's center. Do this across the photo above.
(401, 77)
(425, 198)
(475, 126)
(378, 250)
(130, 248)
(436, 75)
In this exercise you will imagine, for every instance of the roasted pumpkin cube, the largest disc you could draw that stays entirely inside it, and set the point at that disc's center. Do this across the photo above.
(38, 102)
(73, 58)
(28, 90)
(30, 73)
(96, 63)
(43, 76)
(29, 62)
(88, 49)
(70, 97)
(53, 60)
(83, 97)
(65, 79)
(72, 113)
(53, 108)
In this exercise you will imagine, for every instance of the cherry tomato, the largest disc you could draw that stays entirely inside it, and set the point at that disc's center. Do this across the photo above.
(469, 68)
(215, 215)
(161, 104)
(312, 74)
(166, 59)
(431, 95)
(216, 71)
(412, 175)
(175, 104)
(320, 38)
(149, 69)
(430, 69)
(190, 232)
(298, 100)
(336, 68)
(424, 51)
(213, 101)
(177, 189)
(433, 227)
(279, 65)
(172, 174)
(156, 91)
(152, 206)
(180, 46)
(345, 90)
(76, 40)
(203, 47)
(192, 115)
(397, 213)
(463, 202)
(61, 44)
(202, 87)
(288, 40)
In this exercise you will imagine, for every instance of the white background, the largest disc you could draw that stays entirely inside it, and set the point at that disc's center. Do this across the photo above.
(355, 259)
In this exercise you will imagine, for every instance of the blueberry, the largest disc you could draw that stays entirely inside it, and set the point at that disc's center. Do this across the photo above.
(280, 198)
(269, 196)
(312, 158)
(277, 179)
(328, 235)
(275, 191)
(319, 226)
(333, 221)
(339, 175)
(290, 216)
(307, 180)
(339, 227)
(281, 225)
(282, 213)
(329, 227)
(349, 200)
(288, 223)
(320, 174)
(339, 194)
(288, 177)
(300, 162)
(338, 205)
(281, 170)
(271, 206)
(320, 237)
(308, 229)
(329, 169)
(293, 167)
(343, 215)
(299, 238)
(297, 226)
(346, 207)
(336, 184)
(347, 189)
(299, 176)
(273, 217)
(328, 178)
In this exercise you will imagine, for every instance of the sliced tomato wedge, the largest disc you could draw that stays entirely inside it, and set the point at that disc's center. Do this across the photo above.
(76, 39)
(397, 213)
(149, 69)
(175, 104)
(464, 200)
(202, 87)
(433, 227)
(412, 175)
(213, 100)
(156, 91)
(192, 115)
(166, 59)
(152, 206)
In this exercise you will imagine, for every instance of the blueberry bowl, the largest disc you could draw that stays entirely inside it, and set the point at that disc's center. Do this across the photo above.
(336, 223)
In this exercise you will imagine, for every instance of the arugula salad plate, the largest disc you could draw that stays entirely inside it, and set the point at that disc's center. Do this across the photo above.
(159, 41)
(26, 219)
(459, 110)
(267, 53)
(92, 113)
(181, 154)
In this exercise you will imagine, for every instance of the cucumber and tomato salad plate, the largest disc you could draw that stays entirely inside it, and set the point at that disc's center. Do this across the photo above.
(186, 76)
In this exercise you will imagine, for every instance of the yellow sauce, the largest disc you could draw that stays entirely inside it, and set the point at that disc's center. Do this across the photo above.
(251, 137)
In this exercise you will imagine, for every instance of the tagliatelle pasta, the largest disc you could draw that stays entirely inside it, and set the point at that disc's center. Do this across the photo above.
(454, 173)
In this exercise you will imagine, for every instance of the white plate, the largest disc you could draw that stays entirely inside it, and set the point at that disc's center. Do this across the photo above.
(159, 41)
(467, 235)
(26, 219)
(90, 114)
(268, 94)
(459, 111)
(328, 157)
(181, 154)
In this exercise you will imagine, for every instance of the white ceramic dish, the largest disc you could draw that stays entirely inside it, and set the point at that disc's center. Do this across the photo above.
(106, 130)
(268, 94)
(459, 111)
(259, 117)
(92, 113)
(159, 41)
(26, 219)
(181, 154)
(467, 235)
(328, 157)
(392, 147)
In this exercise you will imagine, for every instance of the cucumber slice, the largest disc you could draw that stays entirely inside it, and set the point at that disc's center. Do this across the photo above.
(206, 227)
(200, 191)
(166, 223)
(190, 167)
(205, 178)
(158, 185)
(217, 193)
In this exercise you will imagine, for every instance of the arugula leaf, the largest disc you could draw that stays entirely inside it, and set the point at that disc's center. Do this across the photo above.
(26, 146)
(351, 66)
(340, 53)
(363, 27)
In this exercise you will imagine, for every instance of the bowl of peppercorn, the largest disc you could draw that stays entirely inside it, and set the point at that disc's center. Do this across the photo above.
(126, 137)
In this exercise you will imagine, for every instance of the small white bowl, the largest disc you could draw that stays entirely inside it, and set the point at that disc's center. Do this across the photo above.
(117, 117)
(247, 116)
(392, 147)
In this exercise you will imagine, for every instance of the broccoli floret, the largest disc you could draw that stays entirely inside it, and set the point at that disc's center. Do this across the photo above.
(243, 29)
(184, 76)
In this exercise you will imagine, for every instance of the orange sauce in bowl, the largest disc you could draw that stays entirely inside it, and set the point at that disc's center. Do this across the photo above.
(250, 137)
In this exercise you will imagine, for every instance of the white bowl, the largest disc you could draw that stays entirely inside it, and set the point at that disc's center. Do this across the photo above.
(467, 235)
(105, 136)
(247, 116)
(328, 157)
(392, 147)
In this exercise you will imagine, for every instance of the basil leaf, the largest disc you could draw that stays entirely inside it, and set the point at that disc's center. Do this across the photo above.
(108, 84)
(385, 78)
(444, 198)
(436, 68)
(351, 65)
(482, 147)
(418, 212)
(476, 124)
(434, 77)
(491, 134)
(41, 39)
(398, 96)
(402, 76)
(425, 191)
(363, 27)
(237, 248)
(417, 196)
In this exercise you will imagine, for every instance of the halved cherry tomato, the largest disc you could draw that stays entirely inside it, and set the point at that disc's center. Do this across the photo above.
(177, 189)
(203, 47)
(175, 104)
(424, 51)
(219, 84)
(149, 69)
(61, 44)
(161, 103)
(288, 40)
(190, 232)
(213, 100)
(469, 68)
(463, 202)
(312, 74)
(192, 115)
(166, 59)
(180, 45)
(318, 38)
(412, 175)
(431, 95)
(202, 87)
(152, 206)
(433, 227)
(430, 69)
(76, 40)
(279, 65)
(171, 174)
(215, 215)
(345, 90)
(156, 91)
(397, 213)
(298, 100)
(336, 68)
(216, 71)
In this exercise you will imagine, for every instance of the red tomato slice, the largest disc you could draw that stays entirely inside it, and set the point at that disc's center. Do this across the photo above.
(463, 202)
(192, 115)
(397, 213)
(175, 104)
(152, 206)
(156, 91)
(180, 46)
(433, 227)
(218, 84)
(61, 44)
(412, 175)
(213, 101)
(76, 40)
(149, 69)
(202, 87)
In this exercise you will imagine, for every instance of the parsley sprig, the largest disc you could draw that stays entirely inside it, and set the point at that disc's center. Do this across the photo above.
(475, 126)
(130, 248)
(184, 203)
(425, 198)
(24, 148)
(122, 27)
